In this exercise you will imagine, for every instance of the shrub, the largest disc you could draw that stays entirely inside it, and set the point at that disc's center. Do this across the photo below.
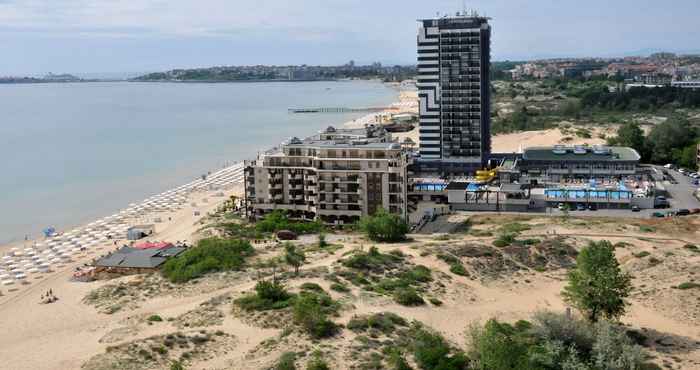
(435, 301)
(293, 257)
(458, 269)
(431, 351)
(408, 297)
(176, 365)
(212, 254)
(688, 285)
(385, 322)
(646, 229)
(277, 220)
(499, 346)
(597, 286)
(514, 228)
(614, 350)
(310, 315)
(317, 363)
(322, 243)
(371, 260)
(286, 361)
(642, 254)
(504, 240)
(547, 325)
(268, 295)
(448, 258)
(338, 287)
(311, 287)
(154, 318)
(692, 247)
(384, 227)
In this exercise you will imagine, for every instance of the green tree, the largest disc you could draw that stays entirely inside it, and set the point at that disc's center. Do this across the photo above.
(294, 257)
(384, 227)
(597, 286)
(631, 135)
(501, 346)
(676, 133)
(686, 157)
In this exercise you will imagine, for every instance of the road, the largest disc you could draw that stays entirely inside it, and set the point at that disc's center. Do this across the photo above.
(680, 194)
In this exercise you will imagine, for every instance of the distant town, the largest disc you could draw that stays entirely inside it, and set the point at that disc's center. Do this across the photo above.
(657, 69)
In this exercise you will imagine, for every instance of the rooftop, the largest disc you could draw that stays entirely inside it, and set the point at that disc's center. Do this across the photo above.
(138, 258)
(581, 153)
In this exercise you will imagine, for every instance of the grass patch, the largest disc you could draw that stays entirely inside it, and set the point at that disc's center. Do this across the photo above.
(458, 269)
(688, 285)
(338, 287)
(268, 296)
(212, 254)
(384, 322)
(646, 229)
(642, 254)
(154, 318)
(408, 297)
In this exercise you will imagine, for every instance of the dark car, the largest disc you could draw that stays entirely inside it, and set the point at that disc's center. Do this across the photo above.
(635, 209)
(695, 211)
(682, 212)
(658, 214)
(580, 207)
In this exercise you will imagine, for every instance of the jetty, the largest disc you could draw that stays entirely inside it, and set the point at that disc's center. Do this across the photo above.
(339, 109)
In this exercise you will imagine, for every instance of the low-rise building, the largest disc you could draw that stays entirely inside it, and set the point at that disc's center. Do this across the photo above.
(559, 163)
(336, 176)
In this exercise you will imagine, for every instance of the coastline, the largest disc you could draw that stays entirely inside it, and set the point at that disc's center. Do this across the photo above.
(33, 241)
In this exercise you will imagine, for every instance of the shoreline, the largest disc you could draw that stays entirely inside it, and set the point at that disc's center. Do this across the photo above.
(37, 239)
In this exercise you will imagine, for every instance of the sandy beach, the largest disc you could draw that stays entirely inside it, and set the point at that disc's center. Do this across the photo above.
(69, 333)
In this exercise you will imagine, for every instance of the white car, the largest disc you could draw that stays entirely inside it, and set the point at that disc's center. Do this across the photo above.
(682, 170)
(695, 175)
(668, 166)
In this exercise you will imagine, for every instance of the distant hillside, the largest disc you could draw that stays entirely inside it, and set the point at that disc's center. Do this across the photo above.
(283, 73)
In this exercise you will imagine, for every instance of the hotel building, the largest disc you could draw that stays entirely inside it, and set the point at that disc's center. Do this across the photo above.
(336, 176)
(454, 56)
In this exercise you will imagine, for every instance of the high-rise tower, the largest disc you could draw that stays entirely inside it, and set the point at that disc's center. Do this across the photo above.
(454, 57)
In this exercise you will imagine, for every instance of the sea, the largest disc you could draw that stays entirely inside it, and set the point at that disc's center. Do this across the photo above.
(74, 152)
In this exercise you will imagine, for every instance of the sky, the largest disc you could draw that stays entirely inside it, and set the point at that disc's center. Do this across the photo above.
(135, 36)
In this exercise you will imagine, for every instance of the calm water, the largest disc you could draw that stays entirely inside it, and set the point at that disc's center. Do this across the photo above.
(71, 153)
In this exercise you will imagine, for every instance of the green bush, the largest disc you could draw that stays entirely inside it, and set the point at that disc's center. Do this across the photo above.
(458, 269)
(317, 363)
(155, 318)
(435, 301)
(268, 296)
(311, 287)
(692, 247)
(384, 227)
(688, 285)
(371, 260)
(448, 258)
(500, 346)
(408, 297)
(432, 352)
(212, 254)
(504, 240)
(277, 220)
(338, 287)
(310, 312)
(177, 365)
(286, 361)
(385, 322)
(642, 254)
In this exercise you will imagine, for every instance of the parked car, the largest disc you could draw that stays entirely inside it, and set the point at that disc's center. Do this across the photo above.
(635, 209)
(694, 175)
(580, 207)
(668, 166)
(661, 202)
(658, 214)
(592, 207)
(695, 211)
(682, 212)
(682, 170)
(561, 206)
